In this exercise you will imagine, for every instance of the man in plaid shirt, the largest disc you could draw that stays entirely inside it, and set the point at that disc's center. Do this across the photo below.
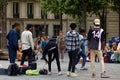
(72, 46)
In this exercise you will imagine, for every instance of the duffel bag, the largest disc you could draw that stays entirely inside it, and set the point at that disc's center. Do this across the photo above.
(32, 72)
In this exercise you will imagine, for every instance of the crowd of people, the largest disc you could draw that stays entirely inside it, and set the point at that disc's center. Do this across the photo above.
(77, 45)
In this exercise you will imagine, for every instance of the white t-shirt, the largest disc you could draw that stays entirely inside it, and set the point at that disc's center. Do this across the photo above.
(27, 40)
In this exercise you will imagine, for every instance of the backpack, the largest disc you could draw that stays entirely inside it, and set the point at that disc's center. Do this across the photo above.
(118, 58)
(13, 69)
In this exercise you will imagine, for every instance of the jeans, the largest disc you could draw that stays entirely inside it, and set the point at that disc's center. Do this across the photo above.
(78, 57)
(12, 54)
(72, 56)
(109, 56)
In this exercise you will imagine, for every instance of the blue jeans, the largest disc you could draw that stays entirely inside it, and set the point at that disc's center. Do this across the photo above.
(81, 54)
(109, 56)
(12, 54)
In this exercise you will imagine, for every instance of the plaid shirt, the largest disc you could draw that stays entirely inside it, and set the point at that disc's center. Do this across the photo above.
(72, 40)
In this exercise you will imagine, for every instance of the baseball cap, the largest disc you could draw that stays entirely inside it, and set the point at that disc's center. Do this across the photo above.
(97, 21)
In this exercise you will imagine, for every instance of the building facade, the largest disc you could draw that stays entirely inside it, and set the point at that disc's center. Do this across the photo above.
(29, 12)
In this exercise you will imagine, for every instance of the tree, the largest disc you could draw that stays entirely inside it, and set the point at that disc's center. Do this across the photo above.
(79, 9)
(115, 4)
(54, 6)
(3, 42)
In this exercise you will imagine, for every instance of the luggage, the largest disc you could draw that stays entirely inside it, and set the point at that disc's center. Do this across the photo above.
(43, 72)
(13, 69)
(33, 65)
(106, 59)
(32, 72)
(23, 69)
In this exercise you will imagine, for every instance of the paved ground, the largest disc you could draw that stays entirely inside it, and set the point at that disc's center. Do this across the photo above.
(112, 69)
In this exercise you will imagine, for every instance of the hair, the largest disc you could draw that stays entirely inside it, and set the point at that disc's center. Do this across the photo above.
(82, 31)
(72, 26)
(15, 25)
(29, 26)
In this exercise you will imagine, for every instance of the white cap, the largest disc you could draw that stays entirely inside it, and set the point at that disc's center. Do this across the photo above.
(97, 21)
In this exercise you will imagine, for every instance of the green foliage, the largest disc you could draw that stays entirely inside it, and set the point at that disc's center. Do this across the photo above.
(115, 4)
(54, 6)
(2, 2)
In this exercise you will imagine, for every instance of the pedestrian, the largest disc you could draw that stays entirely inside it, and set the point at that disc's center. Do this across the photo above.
(96, 38)
(13, 38)
(51, 49)
(43, 44)
(27, 44)
(61, 45)
(83, 49)
(72, 46)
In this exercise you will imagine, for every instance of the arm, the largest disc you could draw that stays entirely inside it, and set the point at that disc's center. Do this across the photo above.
(15, 39)
(31, 41)
(103, 40)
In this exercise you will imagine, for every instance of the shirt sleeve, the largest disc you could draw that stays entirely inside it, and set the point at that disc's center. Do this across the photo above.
(14, 39)
(31, 41)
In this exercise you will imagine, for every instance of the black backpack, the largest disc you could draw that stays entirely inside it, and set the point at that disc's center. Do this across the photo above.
(13, 69)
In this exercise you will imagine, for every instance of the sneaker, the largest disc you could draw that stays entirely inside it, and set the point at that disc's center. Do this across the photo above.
(49, 73)
(83, 68)
(68, 73)
(103, 75)
(59, 73)
(72, 74)
(93, 75)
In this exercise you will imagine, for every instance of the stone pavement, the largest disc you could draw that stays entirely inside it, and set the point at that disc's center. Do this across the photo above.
(112, 69)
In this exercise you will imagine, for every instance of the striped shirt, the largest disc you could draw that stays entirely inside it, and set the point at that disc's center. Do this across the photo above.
(72, 40)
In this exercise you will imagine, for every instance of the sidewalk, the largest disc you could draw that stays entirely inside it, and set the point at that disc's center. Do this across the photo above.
(112, 69)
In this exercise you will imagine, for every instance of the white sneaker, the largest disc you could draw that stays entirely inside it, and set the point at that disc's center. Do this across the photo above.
(49, 73)
(72, 74)
(68, 73)
(83, 68)
(59, 73)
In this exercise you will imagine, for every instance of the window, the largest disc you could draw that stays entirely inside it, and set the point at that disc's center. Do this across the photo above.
(39, 30)
(30, 10)
(43, 13)
(56, 30)
(15, 10)
(56, 16)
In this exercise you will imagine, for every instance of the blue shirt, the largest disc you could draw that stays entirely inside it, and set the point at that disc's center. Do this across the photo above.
(12, 38)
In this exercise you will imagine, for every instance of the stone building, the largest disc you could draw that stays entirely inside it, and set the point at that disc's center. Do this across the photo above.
(29, 12)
